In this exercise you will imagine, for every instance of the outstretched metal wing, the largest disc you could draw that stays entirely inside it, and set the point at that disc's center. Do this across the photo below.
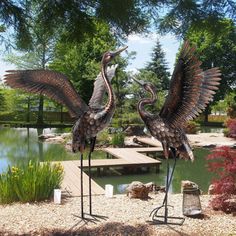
(50, 83)
(191, 88)
(100, 88)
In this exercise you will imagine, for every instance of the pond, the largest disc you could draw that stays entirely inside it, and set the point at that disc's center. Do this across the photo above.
(19, 145)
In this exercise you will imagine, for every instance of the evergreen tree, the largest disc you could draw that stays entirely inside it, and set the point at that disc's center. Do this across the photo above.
(158, 66)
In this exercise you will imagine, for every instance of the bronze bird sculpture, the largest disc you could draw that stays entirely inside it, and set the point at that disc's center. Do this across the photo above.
(191, 89)
(91, 119)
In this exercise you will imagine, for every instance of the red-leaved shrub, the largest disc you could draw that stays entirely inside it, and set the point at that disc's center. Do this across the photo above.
(231, 128)
(222, 162)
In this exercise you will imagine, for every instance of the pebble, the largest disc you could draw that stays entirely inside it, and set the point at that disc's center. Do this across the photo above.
(124, 217)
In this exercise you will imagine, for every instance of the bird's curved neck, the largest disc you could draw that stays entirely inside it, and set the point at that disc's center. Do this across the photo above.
(146, 101)
(111, 98)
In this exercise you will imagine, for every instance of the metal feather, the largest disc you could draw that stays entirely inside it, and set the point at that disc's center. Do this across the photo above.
(53, 84)
(100, 88)
(191, 88)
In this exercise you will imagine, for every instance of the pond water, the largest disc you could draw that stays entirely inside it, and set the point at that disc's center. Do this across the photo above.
(19, 145)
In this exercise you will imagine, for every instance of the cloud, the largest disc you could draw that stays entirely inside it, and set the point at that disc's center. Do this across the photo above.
(140, 39)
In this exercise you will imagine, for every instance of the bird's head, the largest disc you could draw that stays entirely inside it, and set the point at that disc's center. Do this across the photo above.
(149, 87)
(110, 55)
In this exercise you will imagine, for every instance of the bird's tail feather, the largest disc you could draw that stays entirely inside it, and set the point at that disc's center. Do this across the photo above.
(185, 151)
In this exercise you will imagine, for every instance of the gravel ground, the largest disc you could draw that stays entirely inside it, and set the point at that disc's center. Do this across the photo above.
(124, 217)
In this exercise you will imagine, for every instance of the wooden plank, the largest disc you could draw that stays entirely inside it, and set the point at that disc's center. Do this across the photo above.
(96, 189)
(149, 141)
(103, 162)
(126, 157)
(131, 155)
(148, 149)
(71, 181)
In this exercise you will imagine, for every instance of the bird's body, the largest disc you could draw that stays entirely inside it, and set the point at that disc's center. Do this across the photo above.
(190, 91)
(169, 136)
(89, 125)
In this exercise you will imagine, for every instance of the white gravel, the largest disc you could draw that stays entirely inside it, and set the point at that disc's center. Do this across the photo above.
(124, 217)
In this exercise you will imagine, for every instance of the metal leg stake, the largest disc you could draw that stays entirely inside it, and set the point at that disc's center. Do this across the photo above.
(81, 186)
(163, 219)
(90, 188)
(92, 145)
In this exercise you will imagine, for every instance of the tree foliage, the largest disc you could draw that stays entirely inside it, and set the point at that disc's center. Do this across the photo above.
(218, 49)
(124, 17)
(158, 65)
(202, 15)
(81, 61)
(13, 14)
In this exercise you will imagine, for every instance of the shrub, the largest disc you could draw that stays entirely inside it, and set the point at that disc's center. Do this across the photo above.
(231, 128)
(103, 138)
(223, 164)
(192, 127)
(30, 182)
(118, 139)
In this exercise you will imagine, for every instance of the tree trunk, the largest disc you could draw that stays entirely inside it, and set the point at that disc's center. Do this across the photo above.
(206, 112)
(40, 110)
(61, 114)
(28, 110)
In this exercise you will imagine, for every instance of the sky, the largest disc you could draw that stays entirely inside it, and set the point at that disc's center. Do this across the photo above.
(143, 45)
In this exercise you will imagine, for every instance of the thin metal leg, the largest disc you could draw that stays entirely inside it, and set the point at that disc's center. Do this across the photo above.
(92, 145)
(156, 219)
(81, 186)
(90, 187)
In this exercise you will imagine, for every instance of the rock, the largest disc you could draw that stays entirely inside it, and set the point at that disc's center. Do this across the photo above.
(151, 186)
(46, 136)
(231, 202)
(57, 139)
(186, 184)
(211, 189)
(134, 130)
(139, 190)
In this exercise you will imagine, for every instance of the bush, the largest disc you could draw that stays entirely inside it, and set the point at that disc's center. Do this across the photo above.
(223, 164)
(192, 127)
(29, 183)
(118, 139)
(103, 138)
(231, 128)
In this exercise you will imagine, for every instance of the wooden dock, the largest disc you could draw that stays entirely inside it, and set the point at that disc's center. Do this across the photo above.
(71, 181)
(151, 142)
(125, 157)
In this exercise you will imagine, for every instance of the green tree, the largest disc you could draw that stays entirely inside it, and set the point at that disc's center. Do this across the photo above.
(77, 17)
(35, 57)
(219, 50)
(202, 15)
(81, 61)
(158, 65)
(136, 92)
(3, 106)
(230, 100)
(124, 17)
(13, 14)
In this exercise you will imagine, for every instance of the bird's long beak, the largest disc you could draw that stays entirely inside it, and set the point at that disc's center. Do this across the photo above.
(140, 82)
(118, 51)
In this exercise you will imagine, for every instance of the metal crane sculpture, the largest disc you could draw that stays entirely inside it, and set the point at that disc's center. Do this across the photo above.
(191, 89)
(91, 119)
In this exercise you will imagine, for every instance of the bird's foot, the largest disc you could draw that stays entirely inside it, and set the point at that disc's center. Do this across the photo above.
(164, 218)
(91, 218)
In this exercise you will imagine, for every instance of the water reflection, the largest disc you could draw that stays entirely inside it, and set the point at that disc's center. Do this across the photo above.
(185, 170)
(21, 145)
